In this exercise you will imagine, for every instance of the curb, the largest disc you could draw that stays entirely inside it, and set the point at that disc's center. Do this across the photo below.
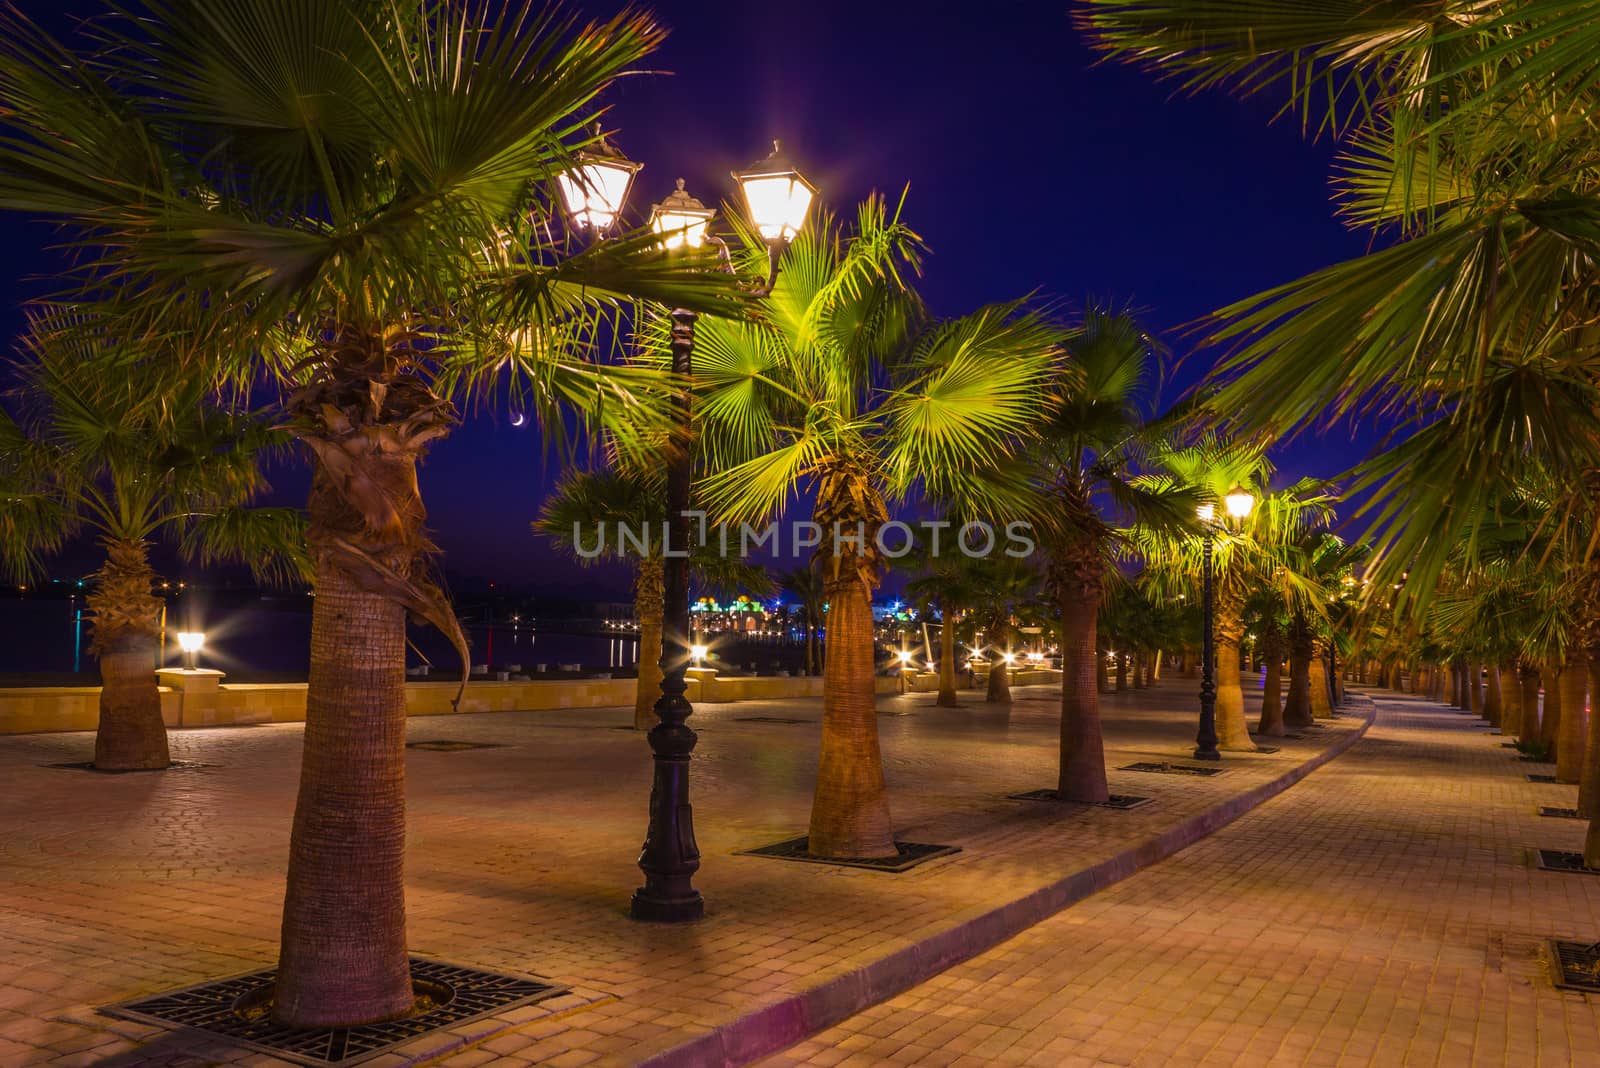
(777, 1026)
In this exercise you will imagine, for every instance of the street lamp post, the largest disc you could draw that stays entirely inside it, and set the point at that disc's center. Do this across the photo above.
(1239, 503)
(778, 199)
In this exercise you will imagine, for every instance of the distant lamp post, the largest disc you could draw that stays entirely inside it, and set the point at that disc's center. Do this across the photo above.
(1239, 503)
(191, 642)
(593, 192)
(681, 219)
(595, 188)
(698, 653)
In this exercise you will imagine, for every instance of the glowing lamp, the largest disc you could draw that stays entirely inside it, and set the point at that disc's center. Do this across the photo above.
(1010, 658)
(595, 187)
(776, 195)
(681, 219)
(1206, 512)
(1239, 501)
(698, 653)
(191, 642)
(905, 656)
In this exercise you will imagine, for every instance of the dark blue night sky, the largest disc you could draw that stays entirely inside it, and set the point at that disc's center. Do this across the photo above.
(1031, 166)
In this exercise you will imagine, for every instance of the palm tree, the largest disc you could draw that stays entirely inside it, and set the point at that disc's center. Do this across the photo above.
(132, 453)
(354, 198)
(1085, 466)
(847, 389)
(578, 515)
(1007, 590)
(948, 583)
(806, 586)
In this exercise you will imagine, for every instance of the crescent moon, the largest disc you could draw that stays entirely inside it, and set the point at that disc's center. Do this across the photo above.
(518, 420)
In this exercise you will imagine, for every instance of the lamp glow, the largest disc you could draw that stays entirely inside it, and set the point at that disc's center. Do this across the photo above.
(776, 195)
(1240, 501)
(191, 641)
(1206, 512)
(698, 652)
(594, 189)
(681, 219)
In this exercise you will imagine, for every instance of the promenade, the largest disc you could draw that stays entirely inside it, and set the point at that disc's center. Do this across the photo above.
(521, 859)
(1382, 912)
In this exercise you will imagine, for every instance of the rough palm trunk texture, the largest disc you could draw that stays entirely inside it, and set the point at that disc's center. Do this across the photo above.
(947, 661)
(1510, 699)
(850, 811)
(1574, 690)
(1082, 775)
(343, 957)
(1122, 672)
(1532, 719)
(1297, 708)
(1475, 686)
(126, 618)
(1233, 733)
(1589, 783)
(1454, 677)
(649, 605)
(1102, 676)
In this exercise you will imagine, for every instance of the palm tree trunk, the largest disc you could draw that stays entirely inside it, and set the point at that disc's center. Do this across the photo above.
(1077, 580)
(1475, 687)
(649, 606)
(1574, 690)
(1271, 721)
(1102, 674)
(1550, 720)
(811, 645)
(343, 959)
(947, 661)
(1532, 720)
(1317, 686)
(1122, 672)
(1454, 677)
(343, 953)
(1589, 782)
(850, 810)
(130, 734)
(1493, 700)
(1297, 709)
(1233, 734)
(1510, 698)
(999, 692)
(1155, 667)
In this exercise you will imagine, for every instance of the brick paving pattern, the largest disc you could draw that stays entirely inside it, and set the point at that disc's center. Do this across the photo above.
(522, 858)
(1382, 912)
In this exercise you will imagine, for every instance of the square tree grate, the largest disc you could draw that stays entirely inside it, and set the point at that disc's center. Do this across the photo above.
(769, 719)
(1561, 860)
(1559, 813)
(236, 1009)
(908, 856)
(445, 745)
(1541, 778)
(1123, 801)
(1158, 768)
(88, 765)
(1577, 965)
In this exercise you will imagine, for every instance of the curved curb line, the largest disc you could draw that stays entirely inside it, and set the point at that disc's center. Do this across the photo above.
(777, 1026)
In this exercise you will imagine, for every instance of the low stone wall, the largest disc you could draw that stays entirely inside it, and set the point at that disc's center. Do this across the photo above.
(201, 699)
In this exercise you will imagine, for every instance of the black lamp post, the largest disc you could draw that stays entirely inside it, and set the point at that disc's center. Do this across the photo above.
(778, 199)
(1239, 503)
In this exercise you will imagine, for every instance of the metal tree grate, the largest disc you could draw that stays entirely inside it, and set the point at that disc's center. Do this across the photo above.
(88, 765)
(1562, 860)
(908, 855)
(770, 719)
(1119, 801)
(1535, 759)
(1541, 778)
(445, 745)
(235, 1009)
(1577, 965)
(1559, 813)
(1160, 768)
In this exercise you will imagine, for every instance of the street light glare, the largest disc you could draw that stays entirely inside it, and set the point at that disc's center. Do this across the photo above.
(191, 641)
(594, 190)
(681, 219)
(1240, 501)
(1206, 512)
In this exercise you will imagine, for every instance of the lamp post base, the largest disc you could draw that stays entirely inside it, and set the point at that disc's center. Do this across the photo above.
(1207, 754)
(648, 908)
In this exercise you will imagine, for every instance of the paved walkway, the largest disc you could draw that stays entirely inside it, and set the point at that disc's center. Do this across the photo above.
(522, 858)
(1384, 911)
